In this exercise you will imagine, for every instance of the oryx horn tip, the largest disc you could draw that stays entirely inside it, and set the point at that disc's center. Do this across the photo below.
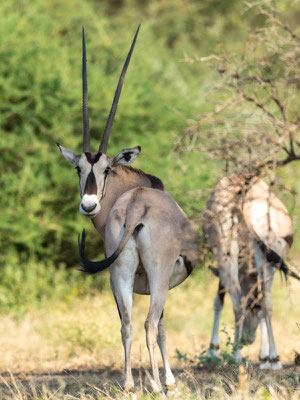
(137, 31)
(113, 109)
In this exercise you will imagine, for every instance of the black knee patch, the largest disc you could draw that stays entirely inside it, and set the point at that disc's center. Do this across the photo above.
(214, 346)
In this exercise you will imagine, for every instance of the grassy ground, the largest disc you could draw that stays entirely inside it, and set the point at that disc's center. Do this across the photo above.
(60, 338)
(74, 349)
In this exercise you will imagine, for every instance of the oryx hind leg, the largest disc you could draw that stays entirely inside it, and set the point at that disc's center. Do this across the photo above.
(122, 274)
(157, 303)
(169, 379)
(274, 359)
(158, 260)
(266, 274)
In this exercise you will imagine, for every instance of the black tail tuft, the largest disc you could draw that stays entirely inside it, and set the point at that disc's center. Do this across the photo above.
(287, 272)
(277, 262)
(88, 266)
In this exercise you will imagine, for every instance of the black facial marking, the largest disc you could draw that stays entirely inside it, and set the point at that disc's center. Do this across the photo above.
(104, 184)
(90, 185)
(93, 157)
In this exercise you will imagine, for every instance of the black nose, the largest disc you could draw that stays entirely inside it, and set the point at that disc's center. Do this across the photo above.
(88, 209)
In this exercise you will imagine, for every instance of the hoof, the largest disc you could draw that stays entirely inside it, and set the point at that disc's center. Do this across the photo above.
(132, 396)
(264, 365)
(276, 365)
(213, 354)
(237, 357)
(173, 392)
(156, 387)
(170, 382)
(128, 386)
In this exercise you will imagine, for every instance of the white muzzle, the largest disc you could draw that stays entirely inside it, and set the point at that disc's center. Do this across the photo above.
(89, 205)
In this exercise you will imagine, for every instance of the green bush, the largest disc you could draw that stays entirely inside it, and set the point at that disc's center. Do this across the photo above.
(40, 85)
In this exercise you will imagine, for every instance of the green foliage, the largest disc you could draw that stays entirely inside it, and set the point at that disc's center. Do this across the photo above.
(32, 284)
(40, 85)
(209, 361)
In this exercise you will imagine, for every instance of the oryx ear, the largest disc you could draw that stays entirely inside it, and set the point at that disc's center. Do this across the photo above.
(126, 156)
(71, 157)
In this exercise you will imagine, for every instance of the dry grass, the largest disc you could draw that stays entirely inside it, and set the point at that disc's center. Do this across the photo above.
(74, 350)
(192, 383)
(86, 332)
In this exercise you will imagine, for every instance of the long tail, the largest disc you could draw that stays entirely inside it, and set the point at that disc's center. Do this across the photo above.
(132, 221)
(88, 266)
(277, 262)
(287, 272)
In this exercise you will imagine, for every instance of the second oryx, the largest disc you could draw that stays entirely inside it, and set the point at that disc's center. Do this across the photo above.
(149, 242)
(249, 231)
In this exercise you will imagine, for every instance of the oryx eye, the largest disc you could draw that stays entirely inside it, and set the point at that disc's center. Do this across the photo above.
(106, 171)
(78, 170)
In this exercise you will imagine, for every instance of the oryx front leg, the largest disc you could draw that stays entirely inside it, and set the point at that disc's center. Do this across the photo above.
(264, 345)
(122, 274)
(229, 278)
(218, 306)
(239, 320)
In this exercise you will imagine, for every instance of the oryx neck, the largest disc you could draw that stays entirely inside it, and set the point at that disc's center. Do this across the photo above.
(119, 181)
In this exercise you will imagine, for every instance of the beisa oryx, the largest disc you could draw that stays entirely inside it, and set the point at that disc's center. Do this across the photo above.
(149, 242)
(249, 232)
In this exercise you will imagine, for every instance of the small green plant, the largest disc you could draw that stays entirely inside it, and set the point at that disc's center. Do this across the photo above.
(207, 360)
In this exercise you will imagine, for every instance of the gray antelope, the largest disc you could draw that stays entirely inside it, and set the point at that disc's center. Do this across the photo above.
(149, 244)
(249, 232)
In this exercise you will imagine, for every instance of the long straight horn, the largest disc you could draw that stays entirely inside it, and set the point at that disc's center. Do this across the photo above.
(110, 120)
(85, 113)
